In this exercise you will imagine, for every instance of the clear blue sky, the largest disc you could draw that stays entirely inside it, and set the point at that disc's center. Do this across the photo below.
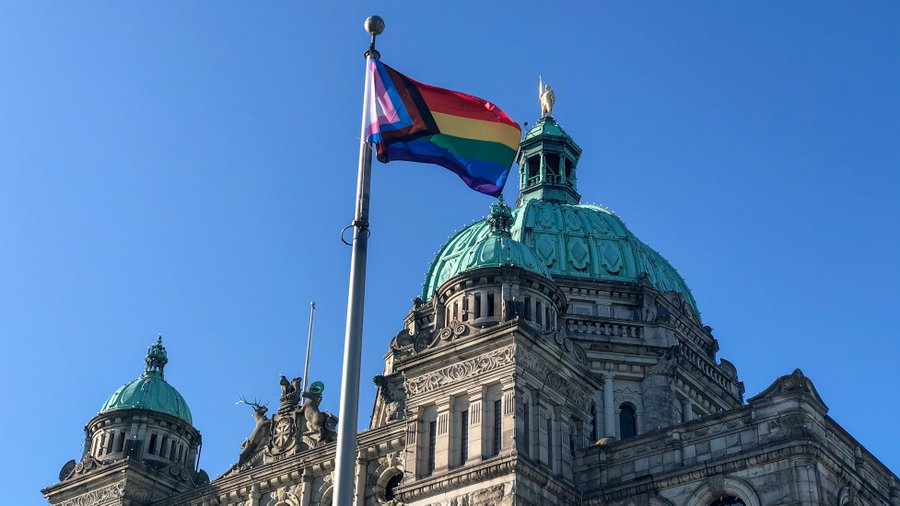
(185, 168)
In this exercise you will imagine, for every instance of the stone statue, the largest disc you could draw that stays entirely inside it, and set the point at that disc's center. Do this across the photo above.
(391, 390)
(260, 435)
(290, 393)
(648, 308)
(667, 363)
(319, 425)
(547, 100)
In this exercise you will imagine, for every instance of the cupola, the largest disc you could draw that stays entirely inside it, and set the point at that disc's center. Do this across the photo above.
(145, 419)
(547, 159)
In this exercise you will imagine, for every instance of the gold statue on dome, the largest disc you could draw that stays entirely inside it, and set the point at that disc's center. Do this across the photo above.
(546, 96)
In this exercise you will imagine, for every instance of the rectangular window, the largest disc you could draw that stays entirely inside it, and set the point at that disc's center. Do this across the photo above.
(455, 310)
(526, 428)
(550, 442)
(527, 315)
(477, 306)
(464, 437)
(465, 308)
(432, 440)
(152, 448)
(538, 313)
(121, 443)
(490, 300)
(497, 419)
(572, 439)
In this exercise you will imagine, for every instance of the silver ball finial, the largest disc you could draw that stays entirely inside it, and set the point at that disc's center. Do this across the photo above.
(374, 25)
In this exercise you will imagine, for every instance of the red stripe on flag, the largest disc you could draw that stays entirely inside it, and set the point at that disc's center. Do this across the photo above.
(461, 104)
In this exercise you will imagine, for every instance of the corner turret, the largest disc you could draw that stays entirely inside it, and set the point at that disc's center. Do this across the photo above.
(140, 447)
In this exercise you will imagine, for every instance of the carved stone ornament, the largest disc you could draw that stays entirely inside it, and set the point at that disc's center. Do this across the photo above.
(392, 393)
(67, 469)
(466, 369)
(668, 363)
(99, 496)
(284, 428)
(547, 373)
(285, 497)
(86, 465)
(794, 383)
(571, 347)
(491, 496)
(178, 471)
(455, 329)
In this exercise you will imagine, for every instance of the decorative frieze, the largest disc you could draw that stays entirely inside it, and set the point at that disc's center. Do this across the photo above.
(486, 496)
(462, 370)
(99, 496)
(548, 375)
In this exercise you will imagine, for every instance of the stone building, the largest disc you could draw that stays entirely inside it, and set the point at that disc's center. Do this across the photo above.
(552, 358)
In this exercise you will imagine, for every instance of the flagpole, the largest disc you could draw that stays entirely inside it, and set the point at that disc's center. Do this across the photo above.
(312, 313)
(349, 409)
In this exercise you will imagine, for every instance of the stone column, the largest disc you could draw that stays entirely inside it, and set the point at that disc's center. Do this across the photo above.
(442, 439)
(507, 419)
(565, 432)
(254, 495)
(687, 410)
(807, 483)
(361, 465)
(413, 457)
(476, 425)
(306, 481)
(609, 413)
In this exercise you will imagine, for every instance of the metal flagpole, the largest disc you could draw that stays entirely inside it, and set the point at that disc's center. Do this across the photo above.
(312, 312)
(349, 410)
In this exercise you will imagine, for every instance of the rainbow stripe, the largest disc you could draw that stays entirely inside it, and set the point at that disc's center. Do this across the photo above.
(412, 121)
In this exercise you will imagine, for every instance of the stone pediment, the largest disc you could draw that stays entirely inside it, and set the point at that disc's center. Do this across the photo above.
(789, 384)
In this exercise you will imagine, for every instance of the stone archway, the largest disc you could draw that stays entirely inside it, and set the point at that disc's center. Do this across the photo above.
(705, 494)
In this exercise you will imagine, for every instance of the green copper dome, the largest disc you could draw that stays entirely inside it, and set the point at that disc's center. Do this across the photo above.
(150, 391)
(487, 245)
(566, 238)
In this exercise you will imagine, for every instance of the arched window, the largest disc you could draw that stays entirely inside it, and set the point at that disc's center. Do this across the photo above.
(728, 501)
(391, 486)
(627, 422)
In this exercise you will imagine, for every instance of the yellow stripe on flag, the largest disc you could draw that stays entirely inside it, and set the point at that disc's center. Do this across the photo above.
(477, 129)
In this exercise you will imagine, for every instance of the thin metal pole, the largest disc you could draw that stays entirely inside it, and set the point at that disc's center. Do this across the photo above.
(312, 312)
(349, 410)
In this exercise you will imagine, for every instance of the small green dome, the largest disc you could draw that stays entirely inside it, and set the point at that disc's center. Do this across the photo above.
(150, 391)
(485, 243)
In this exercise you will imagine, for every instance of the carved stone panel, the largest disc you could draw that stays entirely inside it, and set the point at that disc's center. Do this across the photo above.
(462, 370)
